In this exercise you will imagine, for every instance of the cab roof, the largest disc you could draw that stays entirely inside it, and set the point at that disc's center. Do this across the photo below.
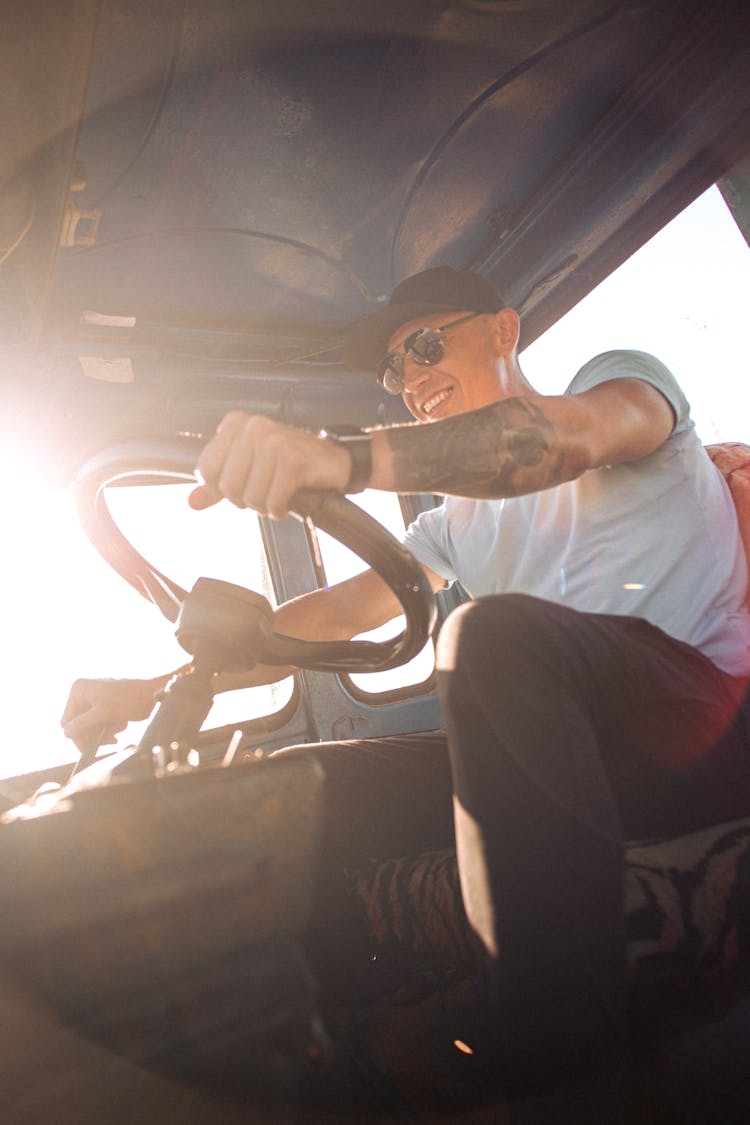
(197, 199)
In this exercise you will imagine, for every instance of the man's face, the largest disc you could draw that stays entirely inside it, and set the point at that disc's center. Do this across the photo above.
(466, 376)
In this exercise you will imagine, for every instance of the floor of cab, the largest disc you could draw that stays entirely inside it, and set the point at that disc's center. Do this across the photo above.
(415, 1062)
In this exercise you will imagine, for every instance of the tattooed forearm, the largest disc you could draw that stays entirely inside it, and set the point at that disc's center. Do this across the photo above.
(506, 449)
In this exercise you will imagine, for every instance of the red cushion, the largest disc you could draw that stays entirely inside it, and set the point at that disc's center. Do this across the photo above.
(732, 458)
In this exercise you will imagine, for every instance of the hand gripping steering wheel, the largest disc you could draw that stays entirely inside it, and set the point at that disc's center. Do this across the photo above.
(244, 618)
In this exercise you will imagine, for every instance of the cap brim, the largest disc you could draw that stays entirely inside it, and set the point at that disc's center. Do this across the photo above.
(367, 342)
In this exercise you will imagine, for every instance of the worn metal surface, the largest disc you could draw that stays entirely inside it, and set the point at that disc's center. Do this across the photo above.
(105, 888)
(736, 191)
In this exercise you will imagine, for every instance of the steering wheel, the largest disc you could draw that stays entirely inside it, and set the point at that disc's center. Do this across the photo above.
(159, 460)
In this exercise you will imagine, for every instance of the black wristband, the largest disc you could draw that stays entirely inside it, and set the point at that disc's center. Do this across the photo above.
(359, 448)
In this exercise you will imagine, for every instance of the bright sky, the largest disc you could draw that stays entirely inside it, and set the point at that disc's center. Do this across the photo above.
(683, 297)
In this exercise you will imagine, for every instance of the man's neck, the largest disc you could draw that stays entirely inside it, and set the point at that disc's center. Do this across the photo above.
(512, 382)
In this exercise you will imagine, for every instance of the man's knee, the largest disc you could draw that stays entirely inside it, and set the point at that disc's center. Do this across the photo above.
(491, 629)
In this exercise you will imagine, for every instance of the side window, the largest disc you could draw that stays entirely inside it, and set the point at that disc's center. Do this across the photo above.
(340, 563)
(682, 297)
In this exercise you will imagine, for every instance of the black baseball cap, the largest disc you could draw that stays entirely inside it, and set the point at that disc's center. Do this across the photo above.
(438, 290)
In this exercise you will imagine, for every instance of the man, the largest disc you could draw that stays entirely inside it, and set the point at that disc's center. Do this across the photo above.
(591, 689)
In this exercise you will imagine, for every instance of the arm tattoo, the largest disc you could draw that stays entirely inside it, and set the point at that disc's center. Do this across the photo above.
(506, 449)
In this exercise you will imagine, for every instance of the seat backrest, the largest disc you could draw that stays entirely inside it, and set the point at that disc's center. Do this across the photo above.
(732, 458)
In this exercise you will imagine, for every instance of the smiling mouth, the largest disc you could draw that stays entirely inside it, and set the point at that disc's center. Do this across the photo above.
(431, 404)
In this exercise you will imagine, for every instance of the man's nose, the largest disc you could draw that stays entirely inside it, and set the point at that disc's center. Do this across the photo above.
(415, 374)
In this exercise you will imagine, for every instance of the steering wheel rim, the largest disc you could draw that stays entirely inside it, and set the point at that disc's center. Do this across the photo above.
(159, 459)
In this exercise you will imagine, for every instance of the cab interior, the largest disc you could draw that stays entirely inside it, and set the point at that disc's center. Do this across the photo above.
(195, 202)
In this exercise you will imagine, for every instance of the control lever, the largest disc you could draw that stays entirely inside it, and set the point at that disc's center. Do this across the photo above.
(90, 750)
(224, 628)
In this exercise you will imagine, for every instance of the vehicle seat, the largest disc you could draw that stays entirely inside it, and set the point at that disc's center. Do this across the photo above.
(732, 458)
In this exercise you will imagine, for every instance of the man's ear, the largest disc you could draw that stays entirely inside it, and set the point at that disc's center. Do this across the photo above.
(506, 329)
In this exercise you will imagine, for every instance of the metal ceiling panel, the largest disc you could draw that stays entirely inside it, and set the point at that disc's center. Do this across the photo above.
(212, 192)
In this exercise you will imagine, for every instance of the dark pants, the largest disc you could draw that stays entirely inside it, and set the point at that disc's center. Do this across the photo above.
(567, 734)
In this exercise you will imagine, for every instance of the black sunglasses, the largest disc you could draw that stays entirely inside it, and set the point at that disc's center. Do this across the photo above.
(426, 346)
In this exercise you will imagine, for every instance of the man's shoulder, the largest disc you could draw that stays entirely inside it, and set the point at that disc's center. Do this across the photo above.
(619, 363)
(628, 363)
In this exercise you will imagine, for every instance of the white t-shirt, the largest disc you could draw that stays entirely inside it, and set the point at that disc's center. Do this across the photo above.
(655, 538)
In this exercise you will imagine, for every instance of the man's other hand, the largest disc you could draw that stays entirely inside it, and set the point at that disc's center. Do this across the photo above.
(102, 708)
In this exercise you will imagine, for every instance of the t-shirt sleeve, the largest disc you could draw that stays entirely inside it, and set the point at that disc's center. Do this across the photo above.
(635, 365)
(425, 538)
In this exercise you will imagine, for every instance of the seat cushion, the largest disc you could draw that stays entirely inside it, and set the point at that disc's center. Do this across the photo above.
(687, 904)
(732, 458)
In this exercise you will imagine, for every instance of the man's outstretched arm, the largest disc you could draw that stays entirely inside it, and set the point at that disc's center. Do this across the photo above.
(508, 448)
(523, 444)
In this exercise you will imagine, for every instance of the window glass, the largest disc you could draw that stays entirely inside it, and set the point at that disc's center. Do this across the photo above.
(682, 297)
(340, 563)
(219, 542)
(68, 615)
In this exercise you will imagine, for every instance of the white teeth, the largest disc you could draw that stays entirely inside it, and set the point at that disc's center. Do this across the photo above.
(431, 403)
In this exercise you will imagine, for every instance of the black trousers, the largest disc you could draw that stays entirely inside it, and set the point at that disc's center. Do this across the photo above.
(566, 734)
